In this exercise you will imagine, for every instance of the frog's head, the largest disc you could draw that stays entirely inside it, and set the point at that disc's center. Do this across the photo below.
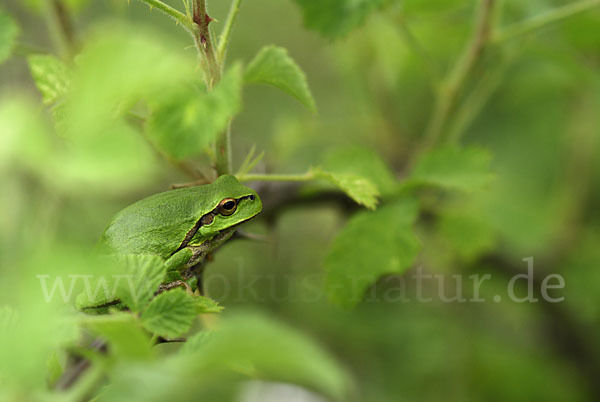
(232, 205)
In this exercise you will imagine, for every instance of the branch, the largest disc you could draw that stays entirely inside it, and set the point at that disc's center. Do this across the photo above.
(308, 176)
(542, 20)
(178, 16)
(455, 80)
(61, 27)
(566, 334)
(225, 37)
(204, 43)
(433, 69)
(474, 103)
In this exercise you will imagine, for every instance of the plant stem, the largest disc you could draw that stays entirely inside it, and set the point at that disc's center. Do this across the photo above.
(212, 68)
(542, 20)
(456, 78)
(474, 103)
(61, 27)
(308, 176)
(413, 44)
(226, 35)
(204, 43)
(173, 13)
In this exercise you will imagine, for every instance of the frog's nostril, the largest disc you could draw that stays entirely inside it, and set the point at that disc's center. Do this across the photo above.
(251, 197)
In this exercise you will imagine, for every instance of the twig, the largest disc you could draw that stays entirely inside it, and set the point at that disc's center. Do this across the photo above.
(276, 177)
(566, 334)
(474, 103)
(433, 69)
(454, 82)
(542, 20)
(204, 43)
(226, 35)
(178, 16)
(61, 27)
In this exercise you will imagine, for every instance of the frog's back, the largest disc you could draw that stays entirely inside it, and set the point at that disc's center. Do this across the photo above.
(156, 224)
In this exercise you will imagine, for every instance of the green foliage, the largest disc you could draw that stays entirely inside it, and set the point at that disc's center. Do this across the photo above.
(267, 349)
(356, 187)
(144, 273)
(39, 6)
(51, 76)
(418, 98)
(372, 244)
(273, 66)
(8, 35)
(206, 305)
(453, 168)
(365, 163)
(334, 18)
(124, 334)
(468, 236)
(170, 314)
(187, 121)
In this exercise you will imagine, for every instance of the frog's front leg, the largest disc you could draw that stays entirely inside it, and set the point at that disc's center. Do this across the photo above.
(188, 257)
(179, 259)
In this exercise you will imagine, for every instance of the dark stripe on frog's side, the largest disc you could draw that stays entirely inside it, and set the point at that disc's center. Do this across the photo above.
(190, 235)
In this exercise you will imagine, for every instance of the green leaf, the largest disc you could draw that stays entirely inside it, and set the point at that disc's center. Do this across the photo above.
(117, 69)
(206, 305)
(196, 341)
(273, 66)
(187, 121)
(25, 138)
(170, 314)
(8, 35)
(267, 349)
(8, 318)
(126, 338)
(465, 169)
(372, 244)
(51, 76)
(361, 190)
(334, 18)
(40, 5)
(362, 162)
(468, 236)
(144, 274)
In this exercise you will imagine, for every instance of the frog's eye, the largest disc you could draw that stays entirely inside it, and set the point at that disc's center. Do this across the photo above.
(227, 206)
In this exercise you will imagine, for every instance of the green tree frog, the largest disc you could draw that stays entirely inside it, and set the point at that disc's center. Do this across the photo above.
(184, 225)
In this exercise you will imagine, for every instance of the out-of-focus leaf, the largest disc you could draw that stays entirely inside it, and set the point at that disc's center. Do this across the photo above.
(468, 236)
(126, 338)
(8, 35)
(360, 189)
(196, 341)
(115, 71)
(465, 169)
(31, 332)
(334, 18)
(25, 138)
(171, 379)
(39, 5)
(362, 162)
(272, 351)
(8, 318)
(144, 274)
(372, 244)
(170, 314)
(273, 66)
(51, 76)
(187, 121)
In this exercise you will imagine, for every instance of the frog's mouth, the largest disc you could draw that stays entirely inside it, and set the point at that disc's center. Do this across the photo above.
(207, 218)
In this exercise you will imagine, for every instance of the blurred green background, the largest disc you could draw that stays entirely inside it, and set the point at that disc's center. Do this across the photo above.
(538, 116)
